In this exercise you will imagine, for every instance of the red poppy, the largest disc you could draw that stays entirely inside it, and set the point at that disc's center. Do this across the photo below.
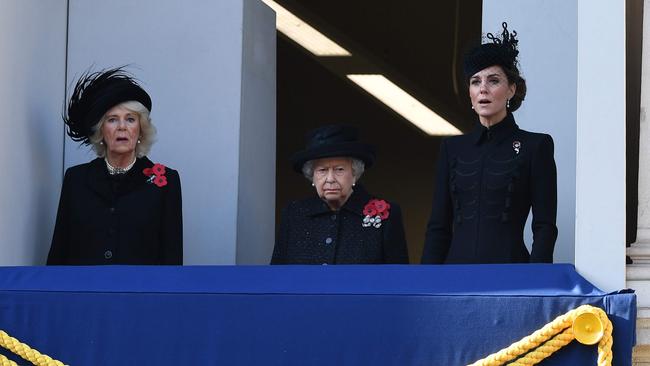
(158, 169)
(160, 181)
(377, 207)
(147, 171)
(369, 210)
(381, 205)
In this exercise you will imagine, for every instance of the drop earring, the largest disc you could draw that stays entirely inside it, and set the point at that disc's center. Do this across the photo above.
(508, 104)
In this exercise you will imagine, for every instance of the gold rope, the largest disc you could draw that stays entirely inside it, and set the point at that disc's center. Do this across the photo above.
(4, 361)
(24, 351)
(544, 342)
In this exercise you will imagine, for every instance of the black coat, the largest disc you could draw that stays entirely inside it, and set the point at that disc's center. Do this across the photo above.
(310, 233)
(121, 219)
(486, 183)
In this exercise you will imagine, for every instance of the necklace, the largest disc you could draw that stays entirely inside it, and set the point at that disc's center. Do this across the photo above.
(117, 170)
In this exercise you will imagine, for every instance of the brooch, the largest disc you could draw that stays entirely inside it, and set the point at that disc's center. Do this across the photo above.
(376, 211)
(516, 145)
(156, 175)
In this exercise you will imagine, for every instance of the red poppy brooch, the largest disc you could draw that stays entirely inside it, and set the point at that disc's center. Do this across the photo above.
(156, 175)
(376, 211)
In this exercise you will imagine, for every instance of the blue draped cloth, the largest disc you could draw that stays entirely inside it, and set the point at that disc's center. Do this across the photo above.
(299, 315)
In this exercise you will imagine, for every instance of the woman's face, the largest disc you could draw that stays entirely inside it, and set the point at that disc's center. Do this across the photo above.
(490, 91)
(121, 130)
(333, 180)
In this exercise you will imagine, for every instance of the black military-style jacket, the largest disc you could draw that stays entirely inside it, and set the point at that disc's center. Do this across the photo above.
(311, 233)
(487, 181)
(121, 219)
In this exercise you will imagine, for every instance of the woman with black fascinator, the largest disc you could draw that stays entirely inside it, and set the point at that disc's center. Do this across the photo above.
(120, 208)
(488, 180)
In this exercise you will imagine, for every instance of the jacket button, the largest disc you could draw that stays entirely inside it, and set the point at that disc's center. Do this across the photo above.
(111, 210)
(333, 217)
(108, 254)
(328, 241)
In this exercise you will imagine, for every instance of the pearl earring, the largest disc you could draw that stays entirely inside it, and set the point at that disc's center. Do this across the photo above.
(472, 106)
(313, 185)
(508, 104)
(101, 142)
(138, 141)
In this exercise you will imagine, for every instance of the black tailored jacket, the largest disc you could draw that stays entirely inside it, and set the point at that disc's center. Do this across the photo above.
(122, 219)
(311, 233)
(486, 184)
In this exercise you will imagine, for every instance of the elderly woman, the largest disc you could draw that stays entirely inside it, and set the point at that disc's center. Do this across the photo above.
(488, 180)
(342, 224)
(120, 208)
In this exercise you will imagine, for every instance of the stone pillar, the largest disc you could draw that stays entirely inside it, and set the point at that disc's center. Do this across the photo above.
(32, 86)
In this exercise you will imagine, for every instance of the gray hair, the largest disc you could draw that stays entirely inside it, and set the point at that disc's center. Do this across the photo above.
(358, 167)
(147, 131)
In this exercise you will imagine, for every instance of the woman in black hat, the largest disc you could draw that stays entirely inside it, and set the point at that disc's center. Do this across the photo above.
(488, 180)
(342, 224)
(120, 208)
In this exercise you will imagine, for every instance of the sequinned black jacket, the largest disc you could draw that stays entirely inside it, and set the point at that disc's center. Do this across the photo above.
(310, 233)
(486, 184)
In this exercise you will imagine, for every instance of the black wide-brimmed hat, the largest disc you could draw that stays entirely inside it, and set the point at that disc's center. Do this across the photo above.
(499, 51)
(94, 94)
(333, 141)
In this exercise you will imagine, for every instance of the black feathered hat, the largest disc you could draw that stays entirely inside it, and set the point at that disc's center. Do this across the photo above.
(94, 94)
(500, 51)
(333, 141)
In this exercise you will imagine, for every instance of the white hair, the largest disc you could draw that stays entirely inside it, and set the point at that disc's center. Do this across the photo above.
(358, 167)
(147, 130)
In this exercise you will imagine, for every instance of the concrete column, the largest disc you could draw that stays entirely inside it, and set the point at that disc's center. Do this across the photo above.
(32, 84)
(600, 154)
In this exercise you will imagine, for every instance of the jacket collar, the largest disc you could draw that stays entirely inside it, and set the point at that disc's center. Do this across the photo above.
(497, 133)
(99, 180)
(355, 204)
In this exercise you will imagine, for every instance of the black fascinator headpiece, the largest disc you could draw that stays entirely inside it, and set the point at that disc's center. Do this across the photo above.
(499, 51)
(94, 94)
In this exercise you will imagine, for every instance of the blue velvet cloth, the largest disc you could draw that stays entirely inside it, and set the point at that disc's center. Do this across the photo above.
(298, 315)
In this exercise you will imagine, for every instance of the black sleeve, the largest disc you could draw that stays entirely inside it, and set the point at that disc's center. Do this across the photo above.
(59, 247)
(439, 227)
(394, 245)
(282, 239)
(544, 201)
(172, 222)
